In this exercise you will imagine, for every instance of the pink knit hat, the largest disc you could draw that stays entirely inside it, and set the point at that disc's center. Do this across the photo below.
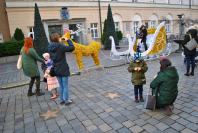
(45, 55)
(164, 61)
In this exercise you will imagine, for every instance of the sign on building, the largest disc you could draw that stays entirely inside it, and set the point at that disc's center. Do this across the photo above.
(64, 12)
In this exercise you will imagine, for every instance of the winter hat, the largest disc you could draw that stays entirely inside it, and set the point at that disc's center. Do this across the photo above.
(165, 62)
(137, 55)
(46, 55)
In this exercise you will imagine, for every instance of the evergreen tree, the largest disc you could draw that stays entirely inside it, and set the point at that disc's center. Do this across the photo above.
(110, 30)
(119, 35)
(104, 32)
(40, 39)
(18, 34)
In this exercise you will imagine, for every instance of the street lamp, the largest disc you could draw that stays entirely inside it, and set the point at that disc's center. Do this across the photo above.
(99, 8)
(181, 30)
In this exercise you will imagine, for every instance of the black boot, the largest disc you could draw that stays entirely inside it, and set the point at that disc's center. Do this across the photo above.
(30, 93)
(141, 99)
(136, 99)
(38, 91)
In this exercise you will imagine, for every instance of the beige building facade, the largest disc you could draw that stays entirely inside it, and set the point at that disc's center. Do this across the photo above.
(4, 27)
(84, 20)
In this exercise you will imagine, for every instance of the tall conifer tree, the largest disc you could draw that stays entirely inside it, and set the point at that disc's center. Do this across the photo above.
(104, 35)
(110, 30)
(40, 39)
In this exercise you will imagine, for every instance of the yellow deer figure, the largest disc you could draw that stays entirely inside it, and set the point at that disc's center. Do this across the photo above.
(92, 49)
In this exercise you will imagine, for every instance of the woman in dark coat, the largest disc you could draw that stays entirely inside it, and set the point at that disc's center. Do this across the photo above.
(164, 86)
(29, 65)
(190, 54)
(61, 68)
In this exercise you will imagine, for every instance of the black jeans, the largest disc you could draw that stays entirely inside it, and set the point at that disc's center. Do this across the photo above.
(190, 62)
(138, 88)
(32, 83)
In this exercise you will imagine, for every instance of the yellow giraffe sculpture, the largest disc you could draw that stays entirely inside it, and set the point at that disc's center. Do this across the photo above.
(81, 50)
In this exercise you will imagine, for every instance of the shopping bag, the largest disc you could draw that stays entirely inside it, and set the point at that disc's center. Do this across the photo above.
(150, 102)
(192, 44)
(19, 62)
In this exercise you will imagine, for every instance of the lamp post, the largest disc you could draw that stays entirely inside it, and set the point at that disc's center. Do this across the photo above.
(99, 8)
(181, 30)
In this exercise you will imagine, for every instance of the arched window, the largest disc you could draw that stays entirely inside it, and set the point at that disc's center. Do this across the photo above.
(136, 23)
(153, 21)
(169, 24)
(118, 22)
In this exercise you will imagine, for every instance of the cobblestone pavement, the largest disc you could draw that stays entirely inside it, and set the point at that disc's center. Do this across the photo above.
(9, 75)
(93, 112)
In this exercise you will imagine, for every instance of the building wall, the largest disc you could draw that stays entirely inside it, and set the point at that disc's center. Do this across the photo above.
(21, 15)
(4, 27)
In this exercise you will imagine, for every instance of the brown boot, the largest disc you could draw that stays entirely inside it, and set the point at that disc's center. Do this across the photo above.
(136, 99)
(168, 111)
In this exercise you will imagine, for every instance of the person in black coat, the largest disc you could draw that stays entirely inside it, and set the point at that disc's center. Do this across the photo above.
(143, 34)
(61, 69)
(190, 54)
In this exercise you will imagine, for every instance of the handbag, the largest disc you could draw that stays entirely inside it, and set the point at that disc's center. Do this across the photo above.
(19, 62)
(150, 101)
(192, 44)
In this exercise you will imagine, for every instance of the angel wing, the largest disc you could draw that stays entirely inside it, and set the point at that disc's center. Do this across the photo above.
(156, 40)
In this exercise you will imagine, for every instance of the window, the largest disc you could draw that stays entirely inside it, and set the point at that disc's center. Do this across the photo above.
(94, 30)
(127, 26)
(135, 26)
(152, 24)
(31, 32)
(117, 26)
(168, 26)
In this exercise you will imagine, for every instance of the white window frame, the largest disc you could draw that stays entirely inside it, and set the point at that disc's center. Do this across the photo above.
(31, 32)
(117, 26)
(94, 29)
(168, 26)
(135, 26)
(152, 24)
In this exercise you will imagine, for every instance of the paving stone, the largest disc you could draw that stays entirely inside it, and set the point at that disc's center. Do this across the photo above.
(152, 121)
(116, 125)
(124, 130)
(192, 126)
(128, 123)
(136, 129)
(140, 122)
(149, 128)
(87, 123)
(170, 130)
(177, 126)
(187, 131)
(161, 126)
(92, 116)
(98, 121)
(61, 121)
(91, 128)
(121, 118)
(104, 127)
(183, 121)
(97, 131)
(109, 119)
